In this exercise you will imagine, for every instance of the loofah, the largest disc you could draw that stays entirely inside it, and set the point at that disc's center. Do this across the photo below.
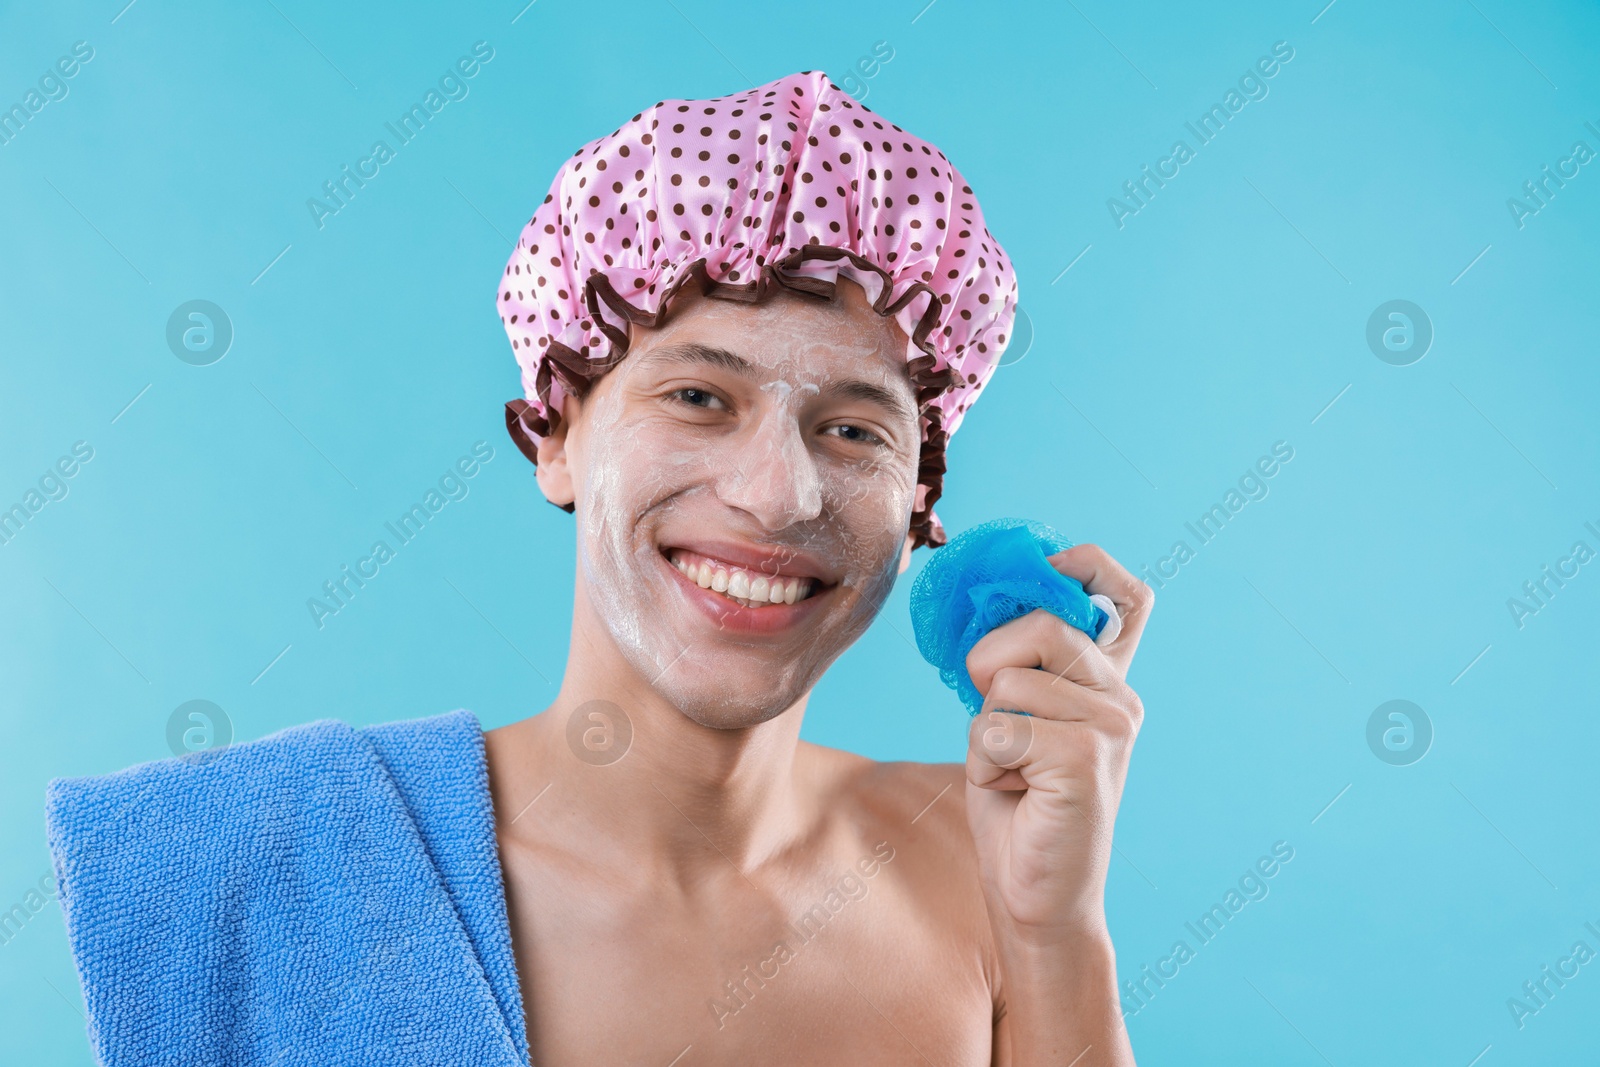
(991, 574)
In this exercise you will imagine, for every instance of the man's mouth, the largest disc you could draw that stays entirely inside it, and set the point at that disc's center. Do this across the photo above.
(742, 585)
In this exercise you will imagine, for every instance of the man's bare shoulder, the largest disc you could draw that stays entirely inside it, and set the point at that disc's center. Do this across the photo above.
(914, 817)
(920, 804)
(918, 794)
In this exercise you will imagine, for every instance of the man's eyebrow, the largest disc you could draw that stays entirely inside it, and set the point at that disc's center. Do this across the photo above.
(871, 393)
(695, 352)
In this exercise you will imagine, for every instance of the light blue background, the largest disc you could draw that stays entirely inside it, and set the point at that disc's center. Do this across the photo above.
(1225, 316)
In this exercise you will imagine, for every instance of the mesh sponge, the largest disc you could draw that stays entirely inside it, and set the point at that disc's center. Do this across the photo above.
(993, 573)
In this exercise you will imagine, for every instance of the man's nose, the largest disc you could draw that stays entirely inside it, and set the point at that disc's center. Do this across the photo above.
(772, 475)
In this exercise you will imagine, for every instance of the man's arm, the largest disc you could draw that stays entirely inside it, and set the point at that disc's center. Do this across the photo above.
(1042, 795)
(1061, 1005)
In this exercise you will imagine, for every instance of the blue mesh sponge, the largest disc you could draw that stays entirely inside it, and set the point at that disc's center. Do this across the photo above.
(991, 574)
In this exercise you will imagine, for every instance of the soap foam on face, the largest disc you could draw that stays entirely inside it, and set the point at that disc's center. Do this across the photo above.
(644, 471)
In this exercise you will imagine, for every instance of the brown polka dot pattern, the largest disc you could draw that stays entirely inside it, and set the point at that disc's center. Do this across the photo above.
(790, 184)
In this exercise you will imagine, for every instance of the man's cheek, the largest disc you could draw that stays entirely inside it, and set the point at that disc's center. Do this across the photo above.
(872, 512)
(868, 503)
(628, 447)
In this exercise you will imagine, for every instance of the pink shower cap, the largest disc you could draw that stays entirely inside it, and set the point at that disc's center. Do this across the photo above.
(790, 184)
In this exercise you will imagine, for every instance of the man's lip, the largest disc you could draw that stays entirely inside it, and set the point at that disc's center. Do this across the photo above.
(758, 559)
(732, 617)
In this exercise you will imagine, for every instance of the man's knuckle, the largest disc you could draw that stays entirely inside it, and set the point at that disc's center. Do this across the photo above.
(977, 661)
(1053, 629)
(1144, 597)
(1006, 689)
(1128, 716)
(1134, 718)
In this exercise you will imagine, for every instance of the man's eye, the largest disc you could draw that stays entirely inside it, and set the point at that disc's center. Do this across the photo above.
(699, 398)
(856, 433)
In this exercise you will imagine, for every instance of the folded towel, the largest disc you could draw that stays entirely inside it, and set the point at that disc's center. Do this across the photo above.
(322, 896)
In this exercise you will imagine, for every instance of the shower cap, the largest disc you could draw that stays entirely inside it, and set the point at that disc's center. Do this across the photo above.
(790, 184)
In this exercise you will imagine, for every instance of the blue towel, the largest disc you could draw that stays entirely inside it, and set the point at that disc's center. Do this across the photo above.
(320, 897)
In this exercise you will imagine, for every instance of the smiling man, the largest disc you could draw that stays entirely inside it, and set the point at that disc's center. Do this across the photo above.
(747, 327)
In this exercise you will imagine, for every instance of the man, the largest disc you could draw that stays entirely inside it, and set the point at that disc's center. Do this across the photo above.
(683, 874)
(747, 328)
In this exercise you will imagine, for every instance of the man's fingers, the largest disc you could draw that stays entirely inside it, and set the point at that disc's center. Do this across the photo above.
(998, 745)
(1010, 750)
(1048, 699)
(1099, 573)
(1040, 640)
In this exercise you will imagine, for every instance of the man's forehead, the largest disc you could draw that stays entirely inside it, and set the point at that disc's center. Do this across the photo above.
(847, 313)
(787, 329)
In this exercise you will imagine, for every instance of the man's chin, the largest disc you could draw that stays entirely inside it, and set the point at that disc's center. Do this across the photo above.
(728, 707)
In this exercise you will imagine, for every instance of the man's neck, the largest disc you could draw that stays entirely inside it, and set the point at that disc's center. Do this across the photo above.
(647, 786)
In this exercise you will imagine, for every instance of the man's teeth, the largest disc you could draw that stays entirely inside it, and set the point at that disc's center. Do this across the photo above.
(750, 590)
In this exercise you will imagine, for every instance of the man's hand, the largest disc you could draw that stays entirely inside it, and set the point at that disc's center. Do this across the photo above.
(1042, 799)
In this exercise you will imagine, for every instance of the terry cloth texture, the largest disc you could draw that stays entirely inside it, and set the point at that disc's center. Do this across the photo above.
(791, 184)
(321, 897)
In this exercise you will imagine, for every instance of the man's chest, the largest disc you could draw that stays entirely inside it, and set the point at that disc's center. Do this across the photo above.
(847, 970)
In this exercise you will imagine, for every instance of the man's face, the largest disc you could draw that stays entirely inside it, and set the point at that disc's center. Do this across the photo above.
(743, 482)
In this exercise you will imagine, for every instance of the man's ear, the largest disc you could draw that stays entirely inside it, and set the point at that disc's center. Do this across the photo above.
(553, 472)
(905, 554)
